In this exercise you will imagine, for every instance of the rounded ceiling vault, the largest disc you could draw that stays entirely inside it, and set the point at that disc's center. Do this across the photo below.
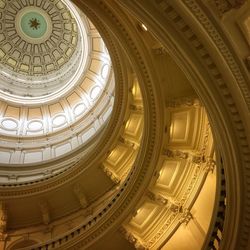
(43, 48)
(44, 36)
(91, 147)
(56, 85)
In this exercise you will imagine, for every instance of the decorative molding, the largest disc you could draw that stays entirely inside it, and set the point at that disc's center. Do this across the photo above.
(44, 208)
(164, 228)
(130, 237)
(224, 6)
(80, 195)
(3, 218)
(175, 207)
(186, 216)
(177, 154)
(198, 159)
(157, 198)
(135, 107)
(241, 143)
(183, 102)
(111, 174)
(160, 51)
(210, 165)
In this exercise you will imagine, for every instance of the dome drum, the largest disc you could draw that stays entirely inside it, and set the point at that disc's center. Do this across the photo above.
(48, 116)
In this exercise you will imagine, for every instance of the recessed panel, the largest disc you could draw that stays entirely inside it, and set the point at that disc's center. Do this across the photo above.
(5, 156)
(168, 173)
(62, 149)
(179, 127)
(144, 215)
(134, 124)
(30, 157)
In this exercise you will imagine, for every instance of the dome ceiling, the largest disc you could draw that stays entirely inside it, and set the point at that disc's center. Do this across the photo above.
(44, 36)
(48, 112)
(41, 42)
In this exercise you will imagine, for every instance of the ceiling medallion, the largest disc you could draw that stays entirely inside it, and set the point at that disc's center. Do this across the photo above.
(34, 23)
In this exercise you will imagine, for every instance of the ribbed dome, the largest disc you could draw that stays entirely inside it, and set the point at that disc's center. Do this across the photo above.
(43, 35)
(56, 82)
(43, 50)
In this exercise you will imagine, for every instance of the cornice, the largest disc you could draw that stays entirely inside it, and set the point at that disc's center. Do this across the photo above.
(184, 40)
(237, 119)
